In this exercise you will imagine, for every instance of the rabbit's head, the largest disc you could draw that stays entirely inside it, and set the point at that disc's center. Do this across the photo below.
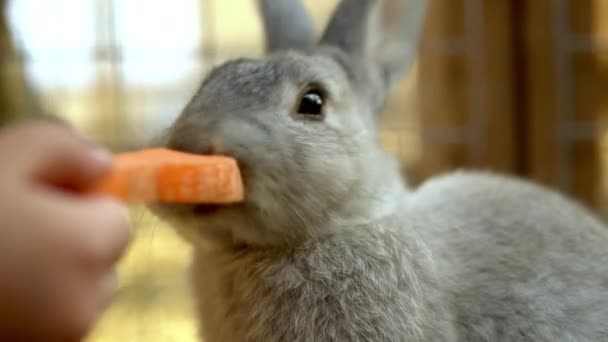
(301, 123)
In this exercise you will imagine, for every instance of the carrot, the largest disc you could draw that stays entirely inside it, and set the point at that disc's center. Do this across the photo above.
(163, 175)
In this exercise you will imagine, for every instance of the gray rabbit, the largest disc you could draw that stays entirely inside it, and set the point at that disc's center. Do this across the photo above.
(331, 245)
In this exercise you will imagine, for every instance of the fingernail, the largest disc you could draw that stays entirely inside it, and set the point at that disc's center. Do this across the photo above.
(127, 213)
(124, 210)
(102, 155)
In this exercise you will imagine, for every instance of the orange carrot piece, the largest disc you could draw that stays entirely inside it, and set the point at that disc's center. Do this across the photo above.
(163, 175)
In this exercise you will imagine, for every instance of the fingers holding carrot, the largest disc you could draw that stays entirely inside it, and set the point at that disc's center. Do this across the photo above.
(58, 248)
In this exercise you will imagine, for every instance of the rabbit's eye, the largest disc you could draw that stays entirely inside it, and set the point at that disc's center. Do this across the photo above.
(311, 103)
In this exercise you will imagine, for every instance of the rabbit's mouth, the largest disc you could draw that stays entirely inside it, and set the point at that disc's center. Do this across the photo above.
(205, 209)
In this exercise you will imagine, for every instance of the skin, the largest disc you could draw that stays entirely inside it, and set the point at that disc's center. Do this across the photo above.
(57, 248)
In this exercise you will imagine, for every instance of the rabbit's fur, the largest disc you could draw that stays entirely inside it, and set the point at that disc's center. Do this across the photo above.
(330, 245)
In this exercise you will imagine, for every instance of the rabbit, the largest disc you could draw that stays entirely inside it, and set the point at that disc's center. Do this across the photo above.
(331, 243)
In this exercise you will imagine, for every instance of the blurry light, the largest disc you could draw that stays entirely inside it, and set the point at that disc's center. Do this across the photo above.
(157, 26)
(58, 27)
(58, 37)
(158, 43)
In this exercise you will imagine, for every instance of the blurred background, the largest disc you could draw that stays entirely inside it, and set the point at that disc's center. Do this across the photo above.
(515, 86)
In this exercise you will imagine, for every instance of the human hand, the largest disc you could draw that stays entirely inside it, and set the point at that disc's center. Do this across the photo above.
(58, 248)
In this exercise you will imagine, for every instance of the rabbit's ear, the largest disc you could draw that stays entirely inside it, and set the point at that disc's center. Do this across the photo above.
(287, 25)
(383, 34)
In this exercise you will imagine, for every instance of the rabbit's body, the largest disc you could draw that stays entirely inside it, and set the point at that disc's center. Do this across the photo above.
(366, 283)
(517, 262)
(441, 267)
(329, 245)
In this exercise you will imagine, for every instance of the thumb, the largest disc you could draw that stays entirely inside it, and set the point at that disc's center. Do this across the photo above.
(52, 154)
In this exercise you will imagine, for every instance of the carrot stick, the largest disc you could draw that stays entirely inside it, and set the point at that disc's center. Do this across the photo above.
(163, 175)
